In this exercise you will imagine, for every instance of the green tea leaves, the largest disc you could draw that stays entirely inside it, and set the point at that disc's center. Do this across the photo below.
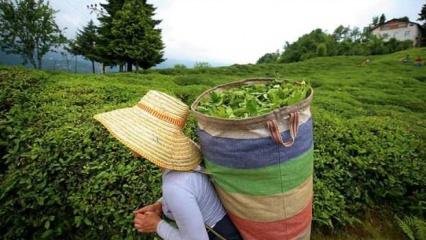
(253, 100)
(251, 105)
(216, 98)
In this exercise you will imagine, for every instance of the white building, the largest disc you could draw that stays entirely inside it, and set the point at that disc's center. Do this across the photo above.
(400, 30)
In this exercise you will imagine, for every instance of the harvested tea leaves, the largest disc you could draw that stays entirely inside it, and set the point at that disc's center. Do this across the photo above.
(253, 100)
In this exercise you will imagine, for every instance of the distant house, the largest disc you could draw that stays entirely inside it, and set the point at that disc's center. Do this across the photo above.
(400, 30)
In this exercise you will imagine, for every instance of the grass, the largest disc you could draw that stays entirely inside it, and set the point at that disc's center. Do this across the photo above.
(346, 91)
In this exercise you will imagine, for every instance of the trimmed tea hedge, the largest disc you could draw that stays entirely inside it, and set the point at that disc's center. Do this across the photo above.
(63, 175)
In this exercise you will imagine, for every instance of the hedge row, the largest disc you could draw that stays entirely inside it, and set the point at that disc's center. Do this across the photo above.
(63, 176)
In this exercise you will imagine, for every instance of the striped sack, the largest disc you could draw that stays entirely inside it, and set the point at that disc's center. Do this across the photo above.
(262, 167)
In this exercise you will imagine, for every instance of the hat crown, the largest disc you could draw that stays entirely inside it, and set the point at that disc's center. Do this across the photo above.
(166, 105)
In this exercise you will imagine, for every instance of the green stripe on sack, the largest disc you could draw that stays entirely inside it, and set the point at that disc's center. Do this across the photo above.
(274, 179)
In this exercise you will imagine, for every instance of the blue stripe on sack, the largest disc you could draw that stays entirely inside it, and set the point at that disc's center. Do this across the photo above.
(254, 153)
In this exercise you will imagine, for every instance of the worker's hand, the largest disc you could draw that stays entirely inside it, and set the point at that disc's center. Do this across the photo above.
(155, 208)
(146, 222)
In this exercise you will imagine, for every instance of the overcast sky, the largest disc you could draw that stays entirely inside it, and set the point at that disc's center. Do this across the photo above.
(240, 31)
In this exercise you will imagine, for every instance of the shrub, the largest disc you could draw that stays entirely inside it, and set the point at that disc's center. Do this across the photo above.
(413, 228)
(269, 58)
(191, 80)
(321, 50)
(201, 65)
(362, 162)
(62, 174)
(179, 66)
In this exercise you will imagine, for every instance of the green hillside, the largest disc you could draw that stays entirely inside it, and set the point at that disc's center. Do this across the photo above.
(63, 176)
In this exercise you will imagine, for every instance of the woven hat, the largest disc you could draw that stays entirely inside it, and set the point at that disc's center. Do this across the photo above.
(153, 129)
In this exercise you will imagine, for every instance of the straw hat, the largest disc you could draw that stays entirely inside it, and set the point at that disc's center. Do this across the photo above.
(153, 129)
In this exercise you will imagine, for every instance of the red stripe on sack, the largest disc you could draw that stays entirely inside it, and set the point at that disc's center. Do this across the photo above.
(289, 228)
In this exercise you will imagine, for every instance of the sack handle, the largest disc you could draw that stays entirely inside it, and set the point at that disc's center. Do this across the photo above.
(293, 125)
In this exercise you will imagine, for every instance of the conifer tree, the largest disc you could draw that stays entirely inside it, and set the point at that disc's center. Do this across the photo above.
(105, 54)
(85, 43)
(382, 19)
(135, 38)
(422, 17)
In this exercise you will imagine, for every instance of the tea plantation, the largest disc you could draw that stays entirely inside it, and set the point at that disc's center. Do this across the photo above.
(62, 176)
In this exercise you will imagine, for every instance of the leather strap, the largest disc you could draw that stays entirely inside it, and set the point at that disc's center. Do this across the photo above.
(293, 125)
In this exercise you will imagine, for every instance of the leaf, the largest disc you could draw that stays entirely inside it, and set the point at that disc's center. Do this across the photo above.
(273, 97)
(216, 98)
(47, 224)
(229, 112)
(251, 105)
(87, 221)
(47, 234)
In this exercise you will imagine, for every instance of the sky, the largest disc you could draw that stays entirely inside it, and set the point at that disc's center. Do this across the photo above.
(241, 31)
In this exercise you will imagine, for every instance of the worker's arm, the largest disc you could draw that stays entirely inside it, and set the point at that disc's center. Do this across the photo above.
(187, 214)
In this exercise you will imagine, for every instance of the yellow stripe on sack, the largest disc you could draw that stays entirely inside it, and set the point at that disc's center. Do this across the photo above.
(268, 208)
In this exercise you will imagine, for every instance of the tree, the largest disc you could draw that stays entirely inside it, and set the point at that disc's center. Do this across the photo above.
(422, 17)
(366, 34)
(321, 50)
(307, 47)
(67, 60)
(341, 33)
(28, 28)
(375, 21)
(269, 58)
(85, 43)
(375, 45)
(107, 13)
(136, 39)
(355, 34)
(179, 67)
(382, 19)
(202, 65)
(404, 19)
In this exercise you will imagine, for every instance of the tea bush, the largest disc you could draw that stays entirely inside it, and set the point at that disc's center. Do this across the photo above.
(363, 162)
(62, 173)
(191, 80)
(62, 176)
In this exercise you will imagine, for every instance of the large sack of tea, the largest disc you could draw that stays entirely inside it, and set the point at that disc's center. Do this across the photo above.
(262, 166)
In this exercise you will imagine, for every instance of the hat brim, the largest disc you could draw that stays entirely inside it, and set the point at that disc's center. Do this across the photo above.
(158, 141)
